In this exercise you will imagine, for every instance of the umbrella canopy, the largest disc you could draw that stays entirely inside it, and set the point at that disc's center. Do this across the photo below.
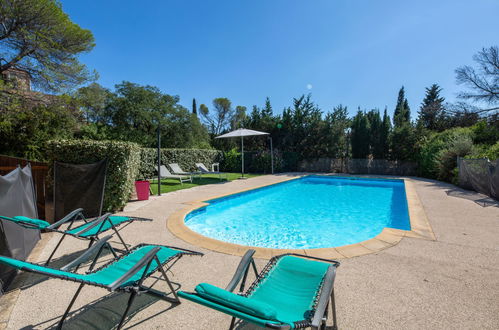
(241, 132)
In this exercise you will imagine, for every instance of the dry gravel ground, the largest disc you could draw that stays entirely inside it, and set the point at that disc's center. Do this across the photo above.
(417, 284)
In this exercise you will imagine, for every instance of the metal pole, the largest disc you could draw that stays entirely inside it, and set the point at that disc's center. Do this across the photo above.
(159, 161)
(271, 154)
(242, 157)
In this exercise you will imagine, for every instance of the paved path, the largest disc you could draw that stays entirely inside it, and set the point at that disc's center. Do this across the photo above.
(417, 284)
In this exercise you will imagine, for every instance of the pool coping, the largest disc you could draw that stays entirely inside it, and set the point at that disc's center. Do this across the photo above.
(420, 228)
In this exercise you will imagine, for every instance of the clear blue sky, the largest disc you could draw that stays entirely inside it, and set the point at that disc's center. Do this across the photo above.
(357, 53)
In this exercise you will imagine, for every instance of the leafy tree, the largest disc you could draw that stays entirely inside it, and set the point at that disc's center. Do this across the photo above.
(239, 117)
(25, 127)
(402, 113)
(93, 100)
(333, 134)
(134, 113)
(300, 127)
(432, 111)
(360, 135)
(483, 82)
(220, 118)
(38, 37)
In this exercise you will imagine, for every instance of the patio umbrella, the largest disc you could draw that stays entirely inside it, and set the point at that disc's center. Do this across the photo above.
(241, 132)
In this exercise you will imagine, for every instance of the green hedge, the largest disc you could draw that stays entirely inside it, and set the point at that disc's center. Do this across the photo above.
(186, 158)
(123, 163)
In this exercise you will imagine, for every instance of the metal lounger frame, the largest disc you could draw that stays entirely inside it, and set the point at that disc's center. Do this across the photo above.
(98, 222)
(136, 288)
(324, 298)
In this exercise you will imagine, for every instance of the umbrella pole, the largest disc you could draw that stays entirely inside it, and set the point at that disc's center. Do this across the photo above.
(242, 157)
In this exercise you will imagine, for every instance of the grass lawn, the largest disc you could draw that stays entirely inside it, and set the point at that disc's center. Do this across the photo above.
(168, 185)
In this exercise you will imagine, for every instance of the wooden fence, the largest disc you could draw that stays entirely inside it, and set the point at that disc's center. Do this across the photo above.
(39, 170)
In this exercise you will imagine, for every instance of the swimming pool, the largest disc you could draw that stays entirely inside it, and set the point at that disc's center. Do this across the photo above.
(306, 213)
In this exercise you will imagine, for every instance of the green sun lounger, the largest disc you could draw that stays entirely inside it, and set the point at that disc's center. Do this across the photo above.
(125, 273)
(292, 292)
(88, 230)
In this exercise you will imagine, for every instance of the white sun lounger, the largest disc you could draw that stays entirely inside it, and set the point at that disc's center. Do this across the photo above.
(165, 174)
(177, 170)
(202, 168)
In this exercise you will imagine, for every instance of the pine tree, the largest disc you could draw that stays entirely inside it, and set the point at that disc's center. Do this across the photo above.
(194, 107)
(432, 110)
(402, 113)
(267, 109)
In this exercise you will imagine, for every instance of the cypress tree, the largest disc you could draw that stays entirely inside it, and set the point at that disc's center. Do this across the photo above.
(432, 110)
(194, 107)
(386, 127)
(360, 135)
(375, 126)
(402, 113)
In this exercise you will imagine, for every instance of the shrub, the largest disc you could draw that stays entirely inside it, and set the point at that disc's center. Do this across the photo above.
(459, 146)
(261, 162)
(186, 158)
(123, 163)
(231, 161)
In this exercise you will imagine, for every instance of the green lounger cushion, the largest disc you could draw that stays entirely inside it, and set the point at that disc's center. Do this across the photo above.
(105, 276)
(289, 289)
(116, 220)
(235, 301)
(35, 222)
(291, 286)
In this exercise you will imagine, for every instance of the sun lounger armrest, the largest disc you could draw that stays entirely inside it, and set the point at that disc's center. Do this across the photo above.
(87, 254)
(70, 216)
(146, 259)
(97, 222)
(241, 270)
(324, 295)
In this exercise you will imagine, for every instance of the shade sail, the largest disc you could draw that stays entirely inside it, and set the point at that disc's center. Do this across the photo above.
(240, 133)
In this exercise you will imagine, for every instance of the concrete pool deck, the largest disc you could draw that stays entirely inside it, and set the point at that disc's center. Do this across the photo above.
(418, 283)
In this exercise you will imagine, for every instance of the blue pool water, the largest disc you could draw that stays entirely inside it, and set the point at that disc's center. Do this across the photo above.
(310, 212)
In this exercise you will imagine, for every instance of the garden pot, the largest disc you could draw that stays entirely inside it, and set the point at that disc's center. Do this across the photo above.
(142, 188)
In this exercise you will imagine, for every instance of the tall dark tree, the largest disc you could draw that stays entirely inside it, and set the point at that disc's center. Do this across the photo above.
(375, 128)
(402, 113)
(194, 107)
(38, 37)
(360, 135)
(386, 128)
(432, 111)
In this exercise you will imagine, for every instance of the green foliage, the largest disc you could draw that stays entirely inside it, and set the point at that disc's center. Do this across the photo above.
(432, 112)
(360, 135)
(221, 116)
(402, 113)
(438, 152)
(38, 37)
(332, 139)
(261, 162)
(133, 113)
(186, 158)
(123, 164)
(403, 142)
(231, 161)
(486, 132)
(26, 125)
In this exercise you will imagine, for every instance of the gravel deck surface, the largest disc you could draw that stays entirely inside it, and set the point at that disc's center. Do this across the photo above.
(417, 284)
